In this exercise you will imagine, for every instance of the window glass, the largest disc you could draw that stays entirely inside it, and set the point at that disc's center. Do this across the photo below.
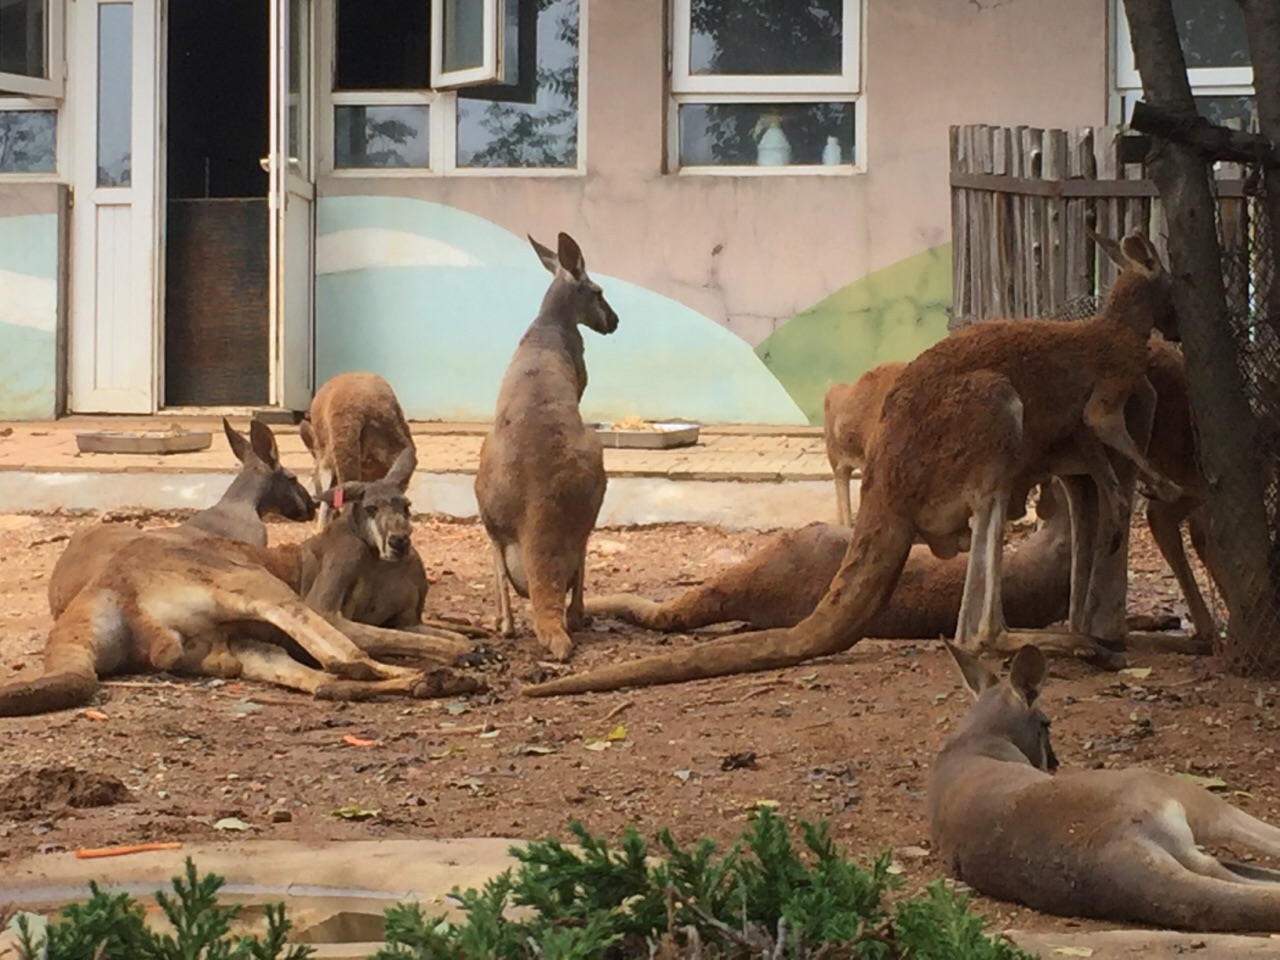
(1212, 32)
(762, 37)
(386, 49)
(381, 137)
(115, 94)
(23, 25)
(541, 134)
(28, 141)
(766, 134)
(463, 34)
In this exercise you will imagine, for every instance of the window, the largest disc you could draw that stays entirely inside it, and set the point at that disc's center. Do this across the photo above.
(399, 99)
(759, 84)
(1215, 45)
(28, 138)
(31, 47)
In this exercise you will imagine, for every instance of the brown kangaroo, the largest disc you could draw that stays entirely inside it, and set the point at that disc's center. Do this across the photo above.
(355, 430)
(541, 477)
(782, 582)
(1119, 845)
(262, 487)
(965, 423)
(850, 419)
(169, 603)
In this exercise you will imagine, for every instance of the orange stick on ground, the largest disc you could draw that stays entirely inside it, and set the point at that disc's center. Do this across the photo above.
(358, 741)
(93, 854)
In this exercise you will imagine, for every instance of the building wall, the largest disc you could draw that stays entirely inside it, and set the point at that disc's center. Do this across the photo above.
(816, 278)
(31, 217)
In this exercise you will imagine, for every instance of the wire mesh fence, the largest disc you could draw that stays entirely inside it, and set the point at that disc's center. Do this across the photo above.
(1250, 643)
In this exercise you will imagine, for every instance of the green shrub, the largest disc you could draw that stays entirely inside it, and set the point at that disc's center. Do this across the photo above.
(763, 899)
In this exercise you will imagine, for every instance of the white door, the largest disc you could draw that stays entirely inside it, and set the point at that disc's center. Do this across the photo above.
(291, 204)
(113, 330)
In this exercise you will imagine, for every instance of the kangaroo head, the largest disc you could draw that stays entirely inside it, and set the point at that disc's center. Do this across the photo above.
(582, 297)
(1143, 293)
(378, 510)
(1006, 710)
(278, 490)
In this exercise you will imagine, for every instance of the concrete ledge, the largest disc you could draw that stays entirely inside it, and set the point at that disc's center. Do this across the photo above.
(734, 504)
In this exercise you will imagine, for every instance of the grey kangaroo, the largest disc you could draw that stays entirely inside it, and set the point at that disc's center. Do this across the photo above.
(1121, 845)
(541, 478)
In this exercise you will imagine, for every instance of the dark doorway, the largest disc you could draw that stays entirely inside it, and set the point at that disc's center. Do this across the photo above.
(215, 305)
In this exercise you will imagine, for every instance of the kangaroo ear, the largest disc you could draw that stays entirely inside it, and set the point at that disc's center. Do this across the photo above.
(1027, 673)
(239, 445)
(570, 257)
(264, 443)
(546, 255)
(402, 469)
(976, 676)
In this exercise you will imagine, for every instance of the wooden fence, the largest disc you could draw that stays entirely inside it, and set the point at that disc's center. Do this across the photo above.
(1020, 201)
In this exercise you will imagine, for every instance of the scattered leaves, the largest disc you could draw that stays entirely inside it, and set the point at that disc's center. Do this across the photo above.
(230, 823)
(355, 812)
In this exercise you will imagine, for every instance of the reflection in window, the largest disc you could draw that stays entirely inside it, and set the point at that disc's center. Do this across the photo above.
(1240, 112)
(115, 94)
(381, 137)
(541, 134)
(22, 37)
(764, 37)
(1212, 32)
(28, 141)
(766, 134)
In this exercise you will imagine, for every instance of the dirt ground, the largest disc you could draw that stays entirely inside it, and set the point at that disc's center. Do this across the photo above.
(849, 738)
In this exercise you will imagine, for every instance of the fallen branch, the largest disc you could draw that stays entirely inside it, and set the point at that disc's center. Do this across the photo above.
(1209, 139)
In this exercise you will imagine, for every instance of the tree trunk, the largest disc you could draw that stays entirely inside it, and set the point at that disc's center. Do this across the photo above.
(1228, 453)
(1262, 22)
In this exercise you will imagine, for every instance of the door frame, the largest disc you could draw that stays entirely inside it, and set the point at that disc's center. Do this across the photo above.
(142, 197)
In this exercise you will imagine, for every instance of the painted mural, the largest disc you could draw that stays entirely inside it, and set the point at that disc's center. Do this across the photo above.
(435, 299)
(891, 314)
(28, 317)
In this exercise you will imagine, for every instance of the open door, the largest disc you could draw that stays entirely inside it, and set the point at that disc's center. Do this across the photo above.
(291, 204)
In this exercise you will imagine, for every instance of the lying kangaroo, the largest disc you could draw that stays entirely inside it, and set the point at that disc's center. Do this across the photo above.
(541, 478)
(263, 486)
(965, 424)
(169, 603)
(850, 419)
(355, 430)
(1119, 845)
(782, 582)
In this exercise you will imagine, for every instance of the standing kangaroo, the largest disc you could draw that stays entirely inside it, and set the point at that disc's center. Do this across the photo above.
(541, 477)
(1120, 845)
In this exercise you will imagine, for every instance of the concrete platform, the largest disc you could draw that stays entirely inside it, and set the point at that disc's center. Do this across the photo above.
(735, 477)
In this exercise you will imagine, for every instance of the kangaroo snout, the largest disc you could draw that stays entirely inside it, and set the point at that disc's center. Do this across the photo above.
(398, 546)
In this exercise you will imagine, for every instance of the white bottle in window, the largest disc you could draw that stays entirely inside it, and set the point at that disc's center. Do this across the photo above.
(773, 148)
(831, 154)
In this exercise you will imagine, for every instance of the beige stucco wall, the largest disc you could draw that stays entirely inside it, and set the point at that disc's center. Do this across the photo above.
(752, 251)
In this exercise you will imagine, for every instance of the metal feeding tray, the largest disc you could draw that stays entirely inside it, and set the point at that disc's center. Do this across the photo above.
(144, 441)
(653, 435)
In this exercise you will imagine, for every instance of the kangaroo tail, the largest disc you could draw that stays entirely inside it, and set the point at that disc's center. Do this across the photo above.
(643, 612)
(861, 587)
(69, 680)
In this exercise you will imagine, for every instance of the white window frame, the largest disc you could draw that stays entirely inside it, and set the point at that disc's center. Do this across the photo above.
(39, 104)
(689, 88)
(442, 116)
(1205, 81)
(490, 68)
(52, 86)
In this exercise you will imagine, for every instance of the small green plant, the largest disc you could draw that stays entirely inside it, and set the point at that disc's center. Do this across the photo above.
(763, 899)
(112, 927)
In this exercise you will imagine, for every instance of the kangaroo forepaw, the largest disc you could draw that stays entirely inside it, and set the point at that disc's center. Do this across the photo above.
(1161, 489)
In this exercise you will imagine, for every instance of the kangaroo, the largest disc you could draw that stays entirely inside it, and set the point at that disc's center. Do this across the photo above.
(966, 422)
(541, 478)
(169, 603)
(262, 487)
(782, 582)
(850, 419)
(363, 570)
(354, 430)
(1118, 845)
